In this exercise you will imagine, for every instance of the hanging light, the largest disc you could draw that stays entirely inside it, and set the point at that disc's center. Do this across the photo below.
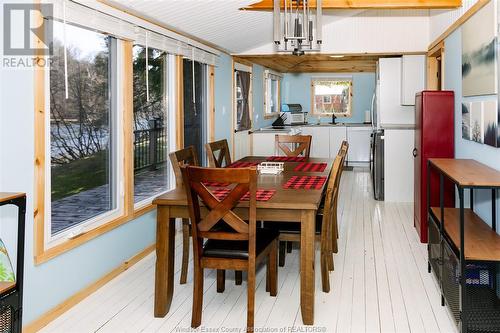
(294, 30)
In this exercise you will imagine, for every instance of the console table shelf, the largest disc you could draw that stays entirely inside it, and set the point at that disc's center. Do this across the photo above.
(481, 243)
(11, 293)
(464, 251)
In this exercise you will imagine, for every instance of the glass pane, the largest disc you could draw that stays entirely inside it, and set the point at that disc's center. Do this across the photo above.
(194, 112)
(332, 96)
(150, 124)
(274, 95)
(80, 127)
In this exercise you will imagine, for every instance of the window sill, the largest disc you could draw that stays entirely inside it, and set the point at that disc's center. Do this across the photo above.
(70, 244)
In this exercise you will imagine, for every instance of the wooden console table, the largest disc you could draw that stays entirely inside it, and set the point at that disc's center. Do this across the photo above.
(464, 251)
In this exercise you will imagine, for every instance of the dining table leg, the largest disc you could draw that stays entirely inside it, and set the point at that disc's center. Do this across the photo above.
(307, 275)
(164, 272)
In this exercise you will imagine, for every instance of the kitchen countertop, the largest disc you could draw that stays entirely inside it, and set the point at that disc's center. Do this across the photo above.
(287, 128)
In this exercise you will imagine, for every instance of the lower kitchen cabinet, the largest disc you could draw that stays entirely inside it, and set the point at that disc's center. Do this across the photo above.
(320, 145)
(359, 144)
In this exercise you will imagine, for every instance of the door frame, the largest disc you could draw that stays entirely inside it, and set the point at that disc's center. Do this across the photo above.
(435, 67)
(246, 67)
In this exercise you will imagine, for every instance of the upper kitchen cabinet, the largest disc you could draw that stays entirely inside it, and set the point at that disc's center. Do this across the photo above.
(412, 77)
(391, 112)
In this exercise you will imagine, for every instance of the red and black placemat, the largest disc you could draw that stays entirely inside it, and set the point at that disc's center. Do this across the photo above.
(286, 159)
(242, 164)
(310, 167)
(215, 184)
(305, 182)
(261, 195)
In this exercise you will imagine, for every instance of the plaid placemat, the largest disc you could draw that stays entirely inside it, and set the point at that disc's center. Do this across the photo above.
(305, 182)
(261, 195)
(215, 184)
(310, 167)
(242, 164)
(286, 159)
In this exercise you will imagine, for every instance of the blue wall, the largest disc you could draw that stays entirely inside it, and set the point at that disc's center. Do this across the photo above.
(465, 148)
(296, 88)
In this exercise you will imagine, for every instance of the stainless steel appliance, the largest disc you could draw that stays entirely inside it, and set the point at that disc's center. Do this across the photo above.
(296, 115)
(377, 164)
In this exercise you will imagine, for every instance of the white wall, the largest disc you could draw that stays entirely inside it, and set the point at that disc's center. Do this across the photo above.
(371, 31)
(440, 20)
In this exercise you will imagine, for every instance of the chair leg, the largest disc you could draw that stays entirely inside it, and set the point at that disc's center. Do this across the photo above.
(325, 276)
(185, 250)
(335, 229)
(221, 280)
(282, 253)
(289, 246)
(272, 264)
(197, 296)
(238, 277)
(250, 297)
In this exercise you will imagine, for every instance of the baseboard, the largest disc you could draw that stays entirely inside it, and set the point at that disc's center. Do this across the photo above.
(58, 310)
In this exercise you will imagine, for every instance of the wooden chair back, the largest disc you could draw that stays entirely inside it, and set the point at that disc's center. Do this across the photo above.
(293, 145)
(183, 157)
(220, 211)
(329, 197)
(222, 149)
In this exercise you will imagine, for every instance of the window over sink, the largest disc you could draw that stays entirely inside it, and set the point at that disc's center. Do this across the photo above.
(331, 96)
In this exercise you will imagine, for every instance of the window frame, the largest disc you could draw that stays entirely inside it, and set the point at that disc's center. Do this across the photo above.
(314, 112)
(168, 82)
(116, 166)
(269, 77)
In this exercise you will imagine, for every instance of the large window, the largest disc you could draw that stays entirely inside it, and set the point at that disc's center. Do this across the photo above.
(150, 123)
(83, 127)
(271, 94)
(332, 96)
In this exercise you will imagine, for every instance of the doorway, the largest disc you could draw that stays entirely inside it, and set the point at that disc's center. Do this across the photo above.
(242, 111)
(435, 67)
(195, 106)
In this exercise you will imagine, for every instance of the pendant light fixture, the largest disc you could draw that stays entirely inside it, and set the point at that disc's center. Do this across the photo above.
(294, 28)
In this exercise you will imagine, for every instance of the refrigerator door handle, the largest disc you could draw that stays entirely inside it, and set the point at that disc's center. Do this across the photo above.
(415, 152)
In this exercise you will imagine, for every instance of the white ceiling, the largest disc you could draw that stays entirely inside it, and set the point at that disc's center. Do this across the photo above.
(219, 22)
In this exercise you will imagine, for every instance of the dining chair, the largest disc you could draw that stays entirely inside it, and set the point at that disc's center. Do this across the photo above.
(290, 232)
(293, 145)
(344, 149)
(182, 157)
(231, 241)
(223, 158)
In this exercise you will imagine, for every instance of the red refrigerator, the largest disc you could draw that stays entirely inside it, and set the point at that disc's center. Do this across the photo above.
(434, 138)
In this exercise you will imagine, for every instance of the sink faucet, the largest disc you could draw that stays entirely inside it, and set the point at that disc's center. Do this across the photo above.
(333, 118)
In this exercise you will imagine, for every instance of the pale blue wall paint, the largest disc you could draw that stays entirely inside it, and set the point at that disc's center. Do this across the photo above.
(49, 284)
(296, 88)
(223, 97)
(465, 148)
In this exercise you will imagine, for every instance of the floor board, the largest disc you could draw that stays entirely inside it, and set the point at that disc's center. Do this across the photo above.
(380, 283)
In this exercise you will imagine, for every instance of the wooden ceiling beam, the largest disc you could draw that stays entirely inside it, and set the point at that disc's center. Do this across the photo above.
(267, 5)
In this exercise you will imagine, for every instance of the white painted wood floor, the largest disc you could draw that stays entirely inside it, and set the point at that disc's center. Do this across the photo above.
(380, 284)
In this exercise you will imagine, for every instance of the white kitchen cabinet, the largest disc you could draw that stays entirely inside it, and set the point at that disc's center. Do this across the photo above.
(390, 110)
(412, 77)
(320, 145)
(359, 144)
(337, 135)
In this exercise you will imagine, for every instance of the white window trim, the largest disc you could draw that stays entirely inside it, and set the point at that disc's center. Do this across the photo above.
(331, 78)
(269, 76)
(95, 222)
(171, 128)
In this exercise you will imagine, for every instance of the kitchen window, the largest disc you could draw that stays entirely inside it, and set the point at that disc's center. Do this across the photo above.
(85, 167)
(151, 167)
(331, 96)
(271, 94)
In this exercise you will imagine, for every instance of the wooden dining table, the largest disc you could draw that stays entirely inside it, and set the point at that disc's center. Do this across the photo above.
(286, 205)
